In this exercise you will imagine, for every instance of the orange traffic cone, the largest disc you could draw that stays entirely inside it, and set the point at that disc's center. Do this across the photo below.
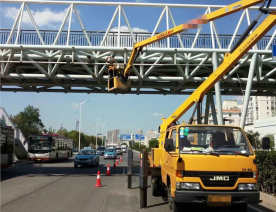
(108, 170)
(117, 162)
(114, 165)
(98, 183)
(121, 159)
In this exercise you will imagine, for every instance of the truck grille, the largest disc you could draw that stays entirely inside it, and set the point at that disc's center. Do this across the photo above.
(218, 177)
(207, 176)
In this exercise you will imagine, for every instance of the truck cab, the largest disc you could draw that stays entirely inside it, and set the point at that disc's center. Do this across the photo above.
(207, 164)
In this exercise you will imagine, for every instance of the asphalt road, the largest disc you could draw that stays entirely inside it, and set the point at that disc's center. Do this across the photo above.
(59, 187)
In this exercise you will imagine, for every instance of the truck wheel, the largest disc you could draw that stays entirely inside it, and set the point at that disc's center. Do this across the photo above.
(239, 208)
(174, 206)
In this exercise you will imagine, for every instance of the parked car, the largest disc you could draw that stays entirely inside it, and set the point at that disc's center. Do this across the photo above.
(110, 153)
(101, 150)
(75, 151)
(87, 157)
(119, 151)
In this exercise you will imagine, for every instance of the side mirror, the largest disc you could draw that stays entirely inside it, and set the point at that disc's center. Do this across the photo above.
(266, 143)
(168, 144)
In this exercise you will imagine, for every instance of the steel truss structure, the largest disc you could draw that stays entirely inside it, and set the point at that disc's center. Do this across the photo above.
(74, 62)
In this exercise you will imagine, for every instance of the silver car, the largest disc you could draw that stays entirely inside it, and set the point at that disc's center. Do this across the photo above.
(119, 151)
(110, 153)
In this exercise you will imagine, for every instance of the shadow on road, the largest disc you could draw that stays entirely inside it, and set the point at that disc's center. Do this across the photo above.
(31, 169)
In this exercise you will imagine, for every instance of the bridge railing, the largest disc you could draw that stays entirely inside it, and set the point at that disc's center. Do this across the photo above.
(77, 38)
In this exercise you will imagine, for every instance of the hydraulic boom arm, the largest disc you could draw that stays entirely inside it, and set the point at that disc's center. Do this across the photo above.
(229, 60)
(193, 24)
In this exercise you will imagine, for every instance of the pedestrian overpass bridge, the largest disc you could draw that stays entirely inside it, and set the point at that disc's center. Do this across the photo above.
(64, 60)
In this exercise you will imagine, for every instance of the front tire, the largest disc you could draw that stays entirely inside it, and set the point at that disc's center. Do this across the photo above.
(174, 206)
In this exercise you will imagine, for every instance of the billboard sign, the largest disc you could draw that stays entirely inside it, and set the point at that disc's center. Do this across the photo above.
(139, 137)
(125, 137)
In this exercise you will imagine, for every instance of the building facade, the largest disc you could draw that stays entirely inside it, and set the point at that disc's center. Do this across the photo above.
(260, 107)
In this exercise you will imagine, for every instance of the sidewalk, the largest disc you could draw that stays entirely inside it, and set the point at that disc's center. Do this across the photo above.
(268, 199)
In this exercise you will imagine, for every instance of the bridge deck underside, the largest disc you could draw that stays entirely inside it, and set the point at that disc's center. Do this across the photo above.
(162, 72)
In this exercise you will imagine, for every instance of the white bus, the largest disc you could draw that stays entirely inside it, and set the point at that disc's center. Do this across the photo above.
(112, 145)
(49, 147)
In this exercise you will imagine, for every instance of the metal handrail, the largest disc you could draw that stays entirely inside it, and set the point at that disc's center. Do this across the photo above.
(77, 38)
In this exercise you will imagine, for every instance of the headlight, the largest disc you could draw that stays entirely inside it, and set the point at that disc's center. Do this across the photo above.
(246, 187)
(188, 186)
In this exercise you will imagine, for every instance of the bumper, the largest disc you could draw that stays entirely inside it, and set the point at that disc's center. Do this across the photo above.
(41, 159)
(110, 156)
(200, 197)
(82, 163)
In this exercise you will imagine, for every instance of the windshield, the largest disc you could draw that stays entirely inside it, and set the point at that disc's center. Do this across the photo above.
(110, 150)
(221, 140)
(118, 149)
(101, 149)
(39, 144)
(87, 152)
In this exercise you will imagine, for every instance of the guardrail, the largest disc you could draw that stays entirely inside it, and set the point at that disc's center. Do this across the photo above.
(77, 38)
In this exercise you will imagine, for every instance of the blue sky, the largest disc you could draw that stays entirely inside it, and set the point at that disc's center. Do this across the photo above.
(125, 112)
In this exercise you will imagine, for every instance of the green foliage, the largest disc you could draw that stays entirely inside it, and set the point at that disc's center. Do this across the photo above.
(153, 143)
(271, 137)
(28, 121)
(253, 138)
(266, 162)
(63, 132)
(51, 130)
(139, 147)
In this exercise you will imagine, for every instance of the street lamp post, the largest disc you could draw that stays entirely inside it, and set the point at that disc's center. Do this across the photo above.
(103, 134)
(97, 132)
(80, 120)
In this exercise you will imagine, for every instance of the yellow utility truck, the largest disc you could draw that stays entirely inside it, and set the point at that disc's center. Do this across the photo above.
(203, 164)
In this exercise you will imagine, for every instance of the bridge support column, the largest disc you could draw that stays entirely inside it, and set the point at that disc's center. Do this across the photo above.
(213, 108)
(143, 178)
(248, 89)
(129, 168)
(217, 89)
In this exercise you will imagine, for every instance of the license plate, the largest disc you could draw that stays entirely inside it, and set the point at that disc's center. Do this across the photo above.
(219, 200)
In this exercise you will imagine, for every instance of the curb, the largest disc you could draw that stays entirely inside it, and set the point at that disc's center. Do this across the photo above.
(22, 161)
(136, 151)
(268, 199)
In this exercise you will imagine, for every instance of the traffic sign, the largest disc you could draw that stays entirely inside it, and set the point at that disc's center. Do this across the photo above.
(274, 52)
(125, 137)
(139, 137)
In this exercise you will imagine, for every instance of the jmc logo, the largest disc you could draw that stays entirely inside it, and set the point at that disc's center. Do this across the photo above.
(220, 178)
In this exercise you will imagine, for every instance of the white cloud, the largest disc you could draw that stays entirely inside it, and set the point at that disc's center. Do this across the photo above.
(157, 114)
(75, 105)
(125, 29)
(43, 18)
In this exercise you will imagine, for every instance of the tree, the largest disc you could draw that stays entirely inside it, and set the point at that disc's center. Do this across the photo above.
(63, 131)
(153, 143)
(271, 137)
(253, 138)
(51, 130)
(28, 121)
